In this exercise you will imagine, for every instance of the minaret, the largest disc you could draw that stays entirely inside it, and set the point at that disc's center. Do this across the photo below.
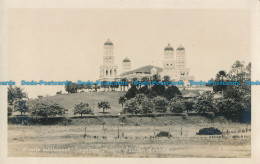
(181, 69)
(126, 65)
(168, 62)
(180, 57)
(108, 71)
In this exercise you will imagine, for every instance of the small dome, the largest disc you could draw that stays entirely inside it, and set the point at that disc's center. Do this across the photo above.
(126, 60)
(180, 48)
(108, 42)
(168, 48)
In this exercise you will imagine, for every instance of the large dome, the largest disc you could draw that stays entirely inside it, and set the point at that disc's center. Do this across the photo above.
(180, 48)
(126, 60)
(168, 48)
(108, 42)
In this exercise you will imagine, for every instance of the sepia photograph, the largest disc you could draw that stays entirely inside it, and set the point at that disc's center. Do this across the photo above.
(129, 82)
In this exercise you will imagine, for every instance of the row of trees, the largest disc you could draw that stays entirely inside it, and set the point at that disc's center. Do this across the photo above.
(74, 87)
(204, 104)
(142, 104)
(18, 102)
(167, 92)
(235, 101)
(85, 108)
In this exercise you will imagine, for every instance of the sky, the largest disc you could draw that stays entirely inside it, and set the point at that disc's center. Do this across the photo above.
(67, 44)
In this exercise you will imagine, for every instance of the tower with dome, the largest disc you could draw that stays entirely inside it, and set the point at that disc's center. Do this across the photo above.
(108, 70)
(126, 65)
(175, 68)
(169, 63)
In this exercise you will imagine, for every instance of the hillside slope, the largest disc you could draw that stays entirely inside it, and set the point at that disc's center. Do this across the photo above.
(68, 101)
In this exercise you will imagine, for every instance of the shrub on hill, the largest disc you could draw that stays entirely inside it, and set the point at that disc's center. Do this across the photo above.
(82, 108)
(230, 108)
(139, 104)
(171, 92)
(73, 88)
(104, 105)
(177, 105)
(209, 131)
(160, 103)
(131, 93)
(42, 111)
(163, 134)
(189, 104)
(204, 103)
(16, 102)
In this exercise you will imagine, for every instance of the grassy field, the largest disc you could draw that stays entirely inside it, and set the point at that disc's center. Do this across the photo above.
(68, 101)
(134, 141)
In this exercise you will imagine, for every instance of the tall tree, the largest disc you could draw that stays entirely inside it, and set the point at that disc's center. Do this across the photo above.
(21, 106)
(72, 88)
(44, 109)
(160, 103)
(171, 92)
(204, 103)
(220, 77)
(177, 105)
(82, 108)
(131, 92)
(104, 105)
(237, 72)
(122, 100)
(16, 100)
(15, 93)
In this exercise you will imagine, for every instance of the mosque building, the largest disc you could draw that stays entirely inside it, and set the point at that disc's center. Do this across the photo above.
(174, 67)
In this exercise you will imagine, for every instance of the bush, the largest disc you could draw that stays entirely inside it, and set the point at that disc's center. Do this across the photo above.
(160, 104)
(104, 105)
(177, 105)
(72, 88)
(14, 94)
(131, 93)
(204, 103)
(139, 104)
(230, 108)
(131, 106)
(82, 108)
(171, 92)
(122, 118)
(209, 131)
(184, 116)
(21, 106)
(46, 110)
(189, 104)
(147, 106)
(163, 134)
